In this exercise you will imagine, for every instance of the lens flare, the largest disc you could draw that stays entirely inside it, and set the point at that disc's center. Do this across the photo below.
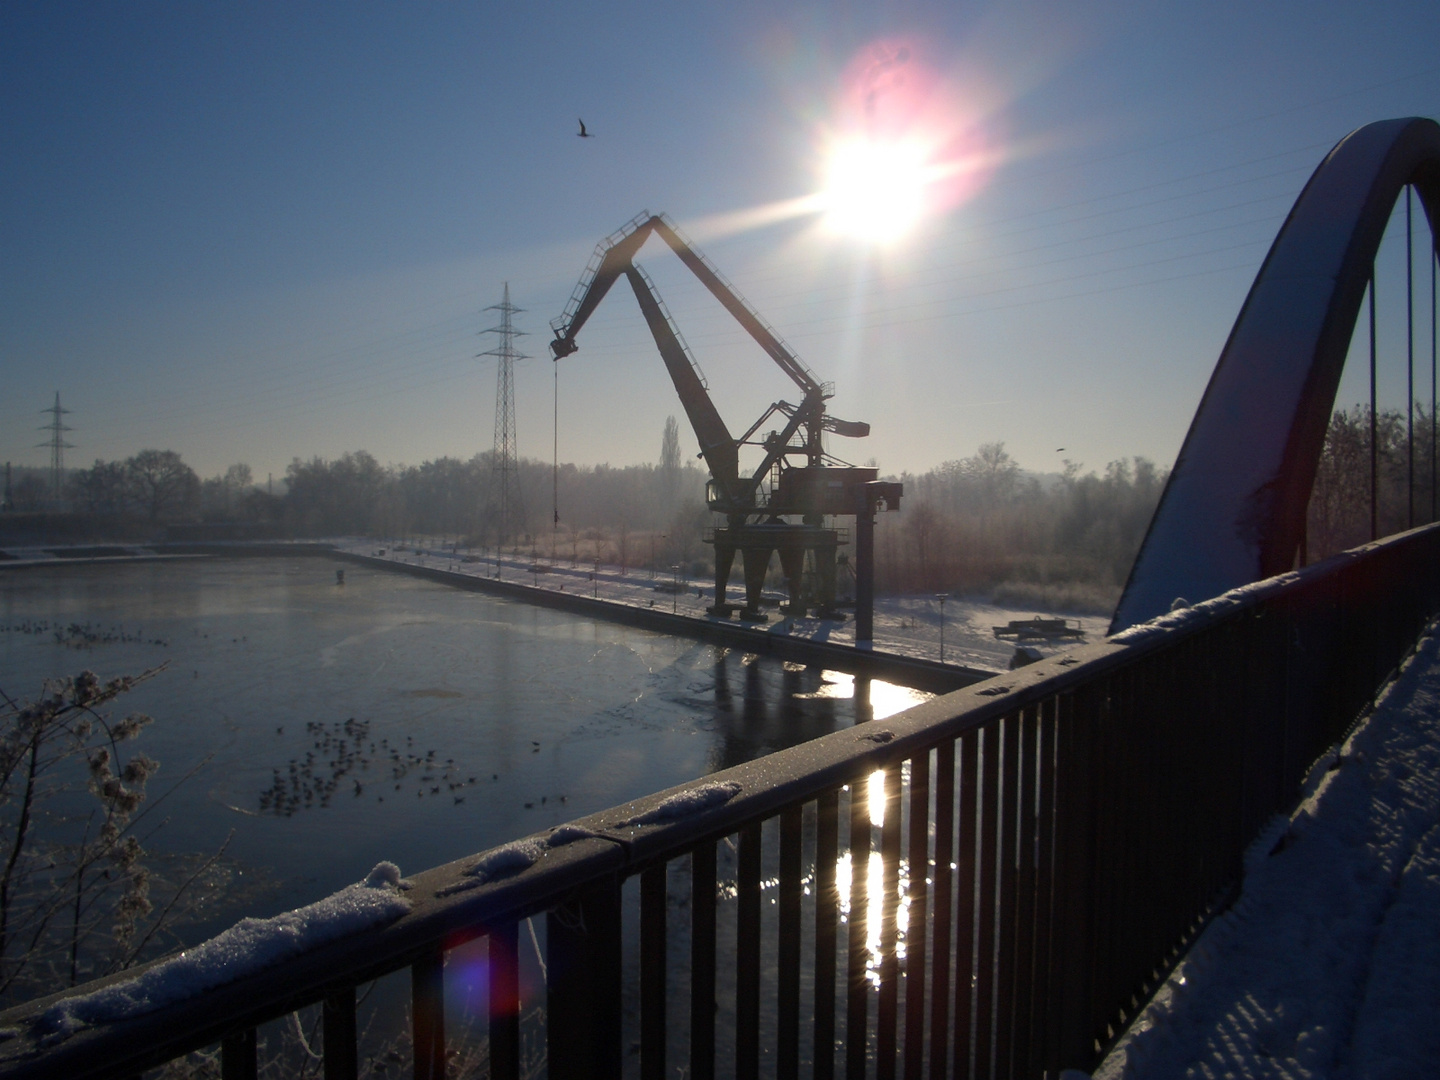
(903, 145)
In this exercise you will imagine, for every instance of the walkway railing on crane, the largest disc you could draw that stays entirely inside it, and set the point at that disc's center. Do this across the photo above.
(985, 885)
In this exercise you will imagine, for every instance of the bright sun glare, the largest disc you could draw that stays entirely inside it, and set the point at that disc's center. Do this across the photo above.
(875, 191)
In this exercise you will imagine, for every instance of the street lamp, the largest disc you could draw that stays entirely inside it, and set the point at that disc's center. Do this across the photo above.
(942, 597)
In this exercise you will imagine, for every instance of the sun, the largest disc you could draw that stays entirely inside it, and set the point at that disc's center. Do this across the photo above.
(875, 191)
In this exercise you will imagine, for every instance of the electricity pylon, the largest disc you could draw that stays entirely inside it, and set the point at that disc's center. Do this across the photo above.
(505, 475)
(58, 446)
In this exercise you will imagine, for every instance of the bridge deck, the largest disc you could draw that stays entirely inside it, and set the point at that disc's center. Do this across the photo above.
(1330, 959)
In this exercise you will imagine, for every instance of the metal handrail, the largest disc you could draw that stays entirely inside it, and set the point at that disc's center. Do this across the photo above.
(1118, 786)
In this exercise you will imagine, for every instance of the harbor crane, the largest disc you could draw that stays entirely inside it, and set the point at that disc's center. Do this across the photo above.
(796, 477)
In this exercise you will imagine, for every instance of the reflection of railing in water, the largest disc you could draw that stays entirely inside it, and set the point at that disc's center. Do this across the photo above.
(1076, 821)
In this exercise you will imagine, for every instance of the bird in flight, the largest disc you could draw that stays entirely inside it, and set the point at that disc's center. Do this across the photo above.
(582, 133)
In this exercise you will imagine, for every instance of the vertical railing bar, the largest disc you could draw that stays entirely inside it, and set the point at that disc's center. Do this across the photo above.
(787, 1013)
(427, 1015)
(338, 1032)
(747, 959)
(1409, 357)
(1096, 697)
(1044, 890)
(918, 858)
(1374, 460)
(1059, 1005)
(652, 972)
(1107, 847)
(702, 962)
(990, 826)
(941, 918)
(1010, 773)
(827, 919)
(1024, 978)
(584, 1019)
(504, 952)
(1148, 896)
(887, 1010)
(966, 882)
(1114, 946)
(857, 975)
(238, 1056)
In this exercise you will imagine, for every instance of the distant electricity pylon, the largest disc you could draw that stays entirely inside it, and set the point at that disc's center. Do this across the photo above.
(505, 474)
(58, 446)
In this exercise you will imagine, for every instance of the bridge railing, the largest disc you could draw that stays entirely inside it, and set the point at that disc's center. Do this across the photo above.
(986, 885)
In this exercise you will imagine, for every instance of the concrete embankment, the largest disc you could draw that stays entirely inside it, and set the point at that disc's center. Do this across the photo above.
(906, 671)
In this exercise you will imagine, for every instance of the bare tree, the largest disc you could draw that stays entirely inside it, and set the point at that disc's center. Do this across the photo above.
(75, 891)
(100, 489)
(161, 483)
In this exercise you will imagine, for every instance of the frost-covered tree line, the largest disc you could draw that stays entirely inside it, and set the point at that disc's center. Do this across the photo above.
(968, 525)
(1405, 447)
(355, 494)
(982, 524)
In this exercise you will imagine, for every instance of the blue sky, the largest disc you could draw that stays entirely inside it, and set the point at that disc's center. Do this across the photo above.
(256, 232)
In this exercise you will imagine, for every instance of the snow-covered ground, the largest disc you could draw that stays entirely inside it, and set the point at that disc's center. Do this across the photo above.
(1328, 965)
(906, 625)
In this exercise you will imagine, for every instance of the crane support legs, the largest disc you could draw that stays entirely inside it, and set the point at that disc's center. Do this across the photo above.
(756, 544)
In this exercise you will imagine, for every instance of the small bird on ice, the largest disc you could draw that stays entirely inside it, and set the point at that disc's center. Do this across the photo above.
(582, 133)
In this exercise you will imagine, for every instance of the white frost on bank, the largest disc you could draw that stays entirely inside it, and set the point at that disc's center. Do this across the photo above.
(695, 800)
(249, 946)
(1329, 963)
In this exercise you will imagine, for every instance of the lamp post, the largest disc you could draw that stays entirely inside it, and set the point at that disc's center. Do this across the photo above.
(675, 589)
(942, 597)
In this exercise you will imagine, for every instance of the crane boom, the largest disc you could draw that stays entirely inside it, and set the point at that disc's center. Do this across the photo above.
(716, 445)
(614, 257)
(756, 527)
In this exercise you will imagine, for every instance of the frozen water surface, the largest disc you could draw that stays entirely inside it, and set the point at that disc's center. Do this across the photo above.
(424, 723)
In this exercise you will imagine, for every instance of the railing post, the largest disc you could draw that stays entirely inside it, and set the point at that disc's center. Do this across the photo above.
(857, 972)
(827, 919)
(653, 889)
(504, 953)
(427, 1015)
(787, 1022)
(237, 1056)
(702, 962)
(583, 1024)
(1069, 1042)
(338, 1011)
(747, 954)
